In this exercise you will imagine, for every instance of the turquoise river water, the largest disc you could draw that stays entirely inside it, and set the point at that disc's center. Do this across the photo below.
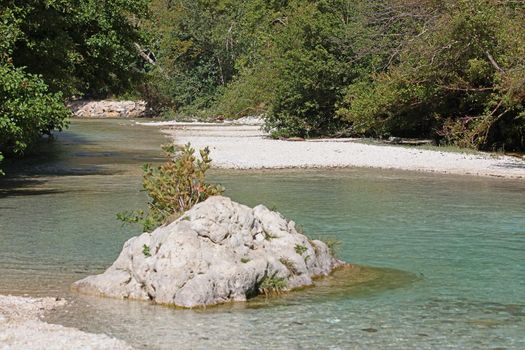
(449, 251)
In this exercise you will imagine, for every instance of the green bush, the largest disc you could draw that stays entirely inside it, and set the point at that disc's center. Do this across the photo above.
(250, 94)
(54, 50)
(312, 73)
(173, 187)
(272, 285)
(300, 249)
(27, 110)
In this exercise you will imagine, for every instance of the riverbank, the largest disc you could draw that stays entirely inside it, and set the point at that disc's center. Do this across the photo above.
(247, 147)
(22, 328)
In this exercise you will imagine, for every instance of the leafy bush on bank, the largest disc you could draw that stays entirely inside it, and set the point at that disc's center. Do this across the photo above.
(56, 50)
(27, 110)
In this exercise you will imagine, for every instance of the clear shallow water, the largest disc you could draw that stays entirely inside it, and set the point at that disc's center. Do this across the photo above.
(456, 246)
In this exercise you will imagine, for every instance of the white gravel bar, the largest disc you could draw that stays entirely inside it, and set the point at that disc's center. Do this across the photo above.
(247, 147)
(22, 329)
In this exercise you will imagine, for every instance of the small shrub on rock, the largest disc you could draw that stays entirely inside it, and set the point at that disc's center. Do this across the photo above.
(173, 187)
(146, 250)
(300, 249)
(272, 285)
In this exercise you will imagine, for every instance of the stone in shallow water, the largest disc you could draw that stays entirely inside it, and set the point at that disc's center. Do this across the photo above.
(369, 330)
(219, 251)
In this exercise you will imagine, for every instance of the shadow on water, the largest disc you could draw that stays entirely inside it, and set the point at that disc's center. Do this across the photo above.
(6, 192)
(13, 186)
(51, 157)
(88, 148)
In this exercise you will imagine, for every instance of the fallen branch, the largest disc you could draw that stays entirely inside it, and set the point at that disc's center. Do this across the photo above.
(144, 55)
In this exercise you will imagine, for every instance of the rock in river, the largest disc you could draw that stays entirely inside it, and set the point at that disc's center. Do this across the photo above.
(219, 251)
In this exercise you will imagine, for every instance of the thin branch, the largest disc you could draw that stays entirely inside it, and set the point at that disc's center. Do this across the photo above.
(144, 55)
(456, 88)
(494, 63)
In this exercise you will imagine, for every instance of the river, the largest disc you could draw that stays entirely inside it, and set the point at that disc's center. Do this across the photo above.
(450, 250)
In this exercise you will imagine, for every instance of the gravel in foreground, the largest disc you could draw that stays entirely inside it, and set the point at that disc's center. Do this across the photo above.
(21, 328)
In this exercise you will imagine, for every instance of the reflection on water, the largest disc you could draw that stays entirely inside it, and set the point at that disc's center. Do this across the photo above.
(452, 248)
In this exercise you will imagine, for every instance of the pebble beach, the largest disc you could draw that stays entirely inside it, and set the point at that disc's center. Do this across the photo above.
(246, 146)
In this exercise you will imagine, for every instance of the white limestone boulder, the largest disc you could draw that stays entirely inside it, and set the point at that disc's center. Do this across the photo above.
(108, 109)
(219, 251)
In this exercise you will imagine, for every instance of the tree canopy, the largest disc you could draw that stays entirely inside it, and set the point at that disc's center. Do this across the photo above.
(452, 70)
(462, 79)
(53, 50)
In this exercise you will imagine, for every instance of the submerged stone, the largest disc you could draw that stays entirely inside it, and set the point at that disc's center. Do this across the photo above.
(369, 330)
(219, 251)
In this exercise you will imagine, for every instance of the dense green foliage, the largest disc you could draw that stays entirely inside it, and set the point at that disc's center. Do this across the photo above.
(173, 187)
(202, 45)
(463, 81)
(79, 47)
(53, 50)
(27, 110)
(311, 60)
(451, 70)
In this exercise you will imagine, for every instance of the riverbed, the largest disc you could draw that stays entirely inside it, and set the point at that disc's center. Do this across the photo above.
(448, 250)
